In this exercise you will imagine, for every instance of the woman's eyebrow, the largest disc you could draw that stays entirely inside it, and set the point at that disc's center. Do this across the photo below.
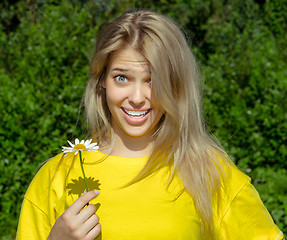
(119, 70)
(126, 70)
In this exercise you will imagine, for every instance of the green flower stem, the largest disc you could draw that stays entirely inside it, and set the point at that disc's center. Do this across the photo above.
(81, 161)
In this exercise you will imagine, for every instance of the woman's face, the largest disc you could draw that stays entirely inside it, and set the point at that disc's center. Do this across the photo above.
(129, 95)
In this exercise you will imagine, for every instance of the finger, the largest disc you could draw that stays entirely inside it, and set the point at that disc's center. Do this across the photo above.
(90, 224)
(87, 212)
(94, 232)
(81, 202)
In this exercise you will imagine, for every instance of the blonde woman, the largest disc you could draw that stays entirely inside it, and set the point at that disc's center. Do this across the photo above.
(160, 174)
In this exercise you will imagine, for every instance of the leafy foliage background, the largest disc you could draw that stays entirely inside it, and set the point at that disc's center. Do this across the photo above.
(45, 49)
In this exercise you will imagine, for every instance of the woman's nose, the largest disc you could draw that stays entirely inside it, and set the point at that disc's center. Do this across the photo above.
(137, 94)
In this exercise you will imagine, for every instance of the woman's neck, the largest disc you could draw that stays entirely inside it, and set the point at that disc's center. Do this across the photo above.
(128, 146)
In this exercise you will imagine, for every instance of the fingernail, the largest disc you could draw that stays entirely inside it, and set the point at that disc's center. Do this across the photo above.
(97, 192)
(85, 191)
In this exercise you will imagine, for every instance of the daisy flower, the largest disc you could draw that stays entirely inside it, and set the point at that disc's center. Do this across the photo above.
(78, 147)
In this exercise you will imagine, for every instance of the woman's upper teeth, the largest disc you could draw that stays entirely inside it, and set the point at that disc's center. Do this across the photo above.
(135, 113)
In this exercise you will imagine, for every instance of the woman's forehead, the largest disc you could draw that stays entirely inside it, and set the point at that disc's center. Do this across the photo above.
(127, 58)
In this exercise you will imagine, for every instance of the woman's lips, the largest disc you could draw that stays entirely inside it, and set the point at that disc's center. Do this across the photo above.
(137, 113)
(136, 117)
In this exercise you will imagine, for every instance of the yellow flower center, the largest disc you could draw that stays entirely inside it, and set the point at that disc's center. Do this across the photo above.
(80, 146)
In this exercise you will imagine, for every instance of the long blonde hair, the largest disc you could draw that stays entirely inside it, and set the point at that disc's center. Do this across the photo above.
(181, 135)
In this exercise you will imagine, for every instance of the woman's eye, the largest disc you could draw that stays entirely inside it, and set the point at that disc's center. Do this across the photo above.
(121, 78)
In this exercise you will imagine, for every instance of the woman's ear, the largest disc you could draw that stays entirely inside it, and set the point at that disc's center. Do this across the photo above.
(103, 83)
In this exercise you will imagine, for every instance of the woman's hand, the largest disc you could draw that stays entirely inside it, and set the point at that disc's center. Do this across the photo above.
(78, 222)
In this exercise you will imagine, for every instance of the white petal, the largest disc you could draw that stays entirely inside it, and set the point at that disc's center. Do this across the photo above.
(90, 145)
(87, 143)
(77, 141)
(93, 145)
(93, 148)
(82, 142)
(67, 148)
(71, 144)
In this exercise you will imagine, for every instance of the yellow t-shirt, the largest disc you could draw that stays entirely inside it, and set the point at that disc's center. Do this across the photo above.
(144, 210)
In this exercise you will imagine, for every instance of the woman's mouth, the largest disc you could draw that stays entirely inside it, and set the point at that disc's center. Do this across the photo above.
(136, 114)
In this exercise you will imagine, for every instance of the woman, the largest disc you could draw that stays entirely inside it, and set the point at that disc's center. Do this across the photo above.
(160, 174)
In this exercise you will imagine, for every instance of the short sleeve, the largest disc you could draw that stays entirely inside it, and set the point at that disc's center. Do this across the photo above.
(248, 218)
(33, 222)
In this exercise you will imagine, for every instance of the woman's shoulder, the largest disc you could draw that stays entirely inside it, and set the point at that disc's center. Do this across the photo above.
(51, 174)
(231, 176)
(43, 177)
(49, 166)
(233, 180)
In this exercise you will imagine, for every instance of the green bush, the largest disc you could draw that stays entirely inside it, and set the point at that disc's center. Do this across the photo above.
(246, 91)
(46, 46)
